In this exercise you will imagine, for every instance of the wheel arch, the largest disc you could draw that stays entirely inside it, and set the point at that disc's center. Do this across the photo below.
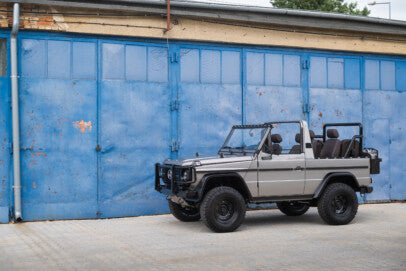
(231, 179)
(337, 177)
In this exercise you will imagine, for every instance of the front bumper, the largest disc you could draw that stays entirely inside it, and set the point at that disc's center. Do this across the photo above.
(174, 186)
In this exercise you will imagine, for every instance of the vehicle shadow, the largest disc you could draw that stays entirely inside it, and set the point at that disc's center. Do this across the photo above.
(253, 219)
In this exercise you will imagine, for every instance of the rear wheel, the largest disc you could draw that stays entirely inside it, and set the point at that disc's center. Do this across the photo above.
(338, 204)
(293, 208)
(185, 214)
(223, 209)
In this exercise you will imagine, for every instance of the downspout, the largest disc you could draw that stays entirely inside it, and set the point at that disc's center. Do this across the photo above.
(15, 114)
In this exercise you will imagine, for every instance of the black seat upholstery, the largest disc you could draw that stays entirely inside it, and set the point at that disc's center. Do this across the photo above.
(332, 146)
(276, 148)
(354, 152)
(296, 149)
(317, 145)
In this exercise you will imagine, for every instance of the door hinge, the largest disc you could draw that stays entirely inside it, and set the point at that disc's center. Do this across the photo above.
(174, 105)
(305, 64)
(174, 58)
(174, 145)
(306, 108)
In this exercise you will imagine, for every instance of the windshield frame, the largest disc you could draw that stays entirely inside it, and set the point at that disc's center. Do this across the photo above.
(267, 126)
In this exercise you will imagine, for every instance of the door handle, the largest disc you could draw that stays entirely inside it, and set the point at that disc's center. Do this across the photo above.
(298, 168)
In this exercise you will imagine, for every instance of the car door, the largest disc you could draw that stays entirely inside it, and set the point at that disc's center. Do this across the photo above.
(282, 174)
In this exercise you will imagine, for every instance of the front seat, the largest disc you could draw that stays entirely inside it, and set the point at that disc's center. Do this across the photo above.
(276, 148)
(332, 146)
(316, 144)
(296, 149)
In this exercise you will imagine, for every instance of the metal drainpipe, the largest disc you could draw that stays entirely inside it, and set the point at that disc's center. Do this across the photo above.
(15, 113)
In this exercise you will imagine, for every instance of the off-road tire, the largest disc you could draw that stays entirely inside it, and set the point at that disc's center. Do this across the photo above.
(331, 210)
(184, 214)
(293, 208)
(223, 209)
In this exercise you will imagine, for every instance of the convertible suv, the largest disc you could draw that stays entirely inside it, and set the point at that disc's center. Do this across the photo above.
(276, 162)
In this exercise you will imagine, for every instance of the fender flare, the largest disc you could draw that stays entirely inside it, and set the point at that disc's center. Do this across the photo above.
(206, 180)
(328, 177)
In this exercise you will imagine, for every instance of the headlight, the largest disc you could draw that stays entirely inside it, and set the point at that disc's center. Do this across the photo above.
(185, 175)
(169, 174)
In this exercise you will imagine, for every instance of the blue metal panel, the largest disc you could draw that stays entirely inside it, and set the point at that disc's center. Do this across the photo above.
(134, 134)
(5, 161)
(58, 56)
(157, 64)
(210, 66)
(352, 73)
(189, 65)
(372, 74)
(318, 72)
(255, 68)
(230, 67)
(273, 69)
(136, 63)
(84, 52)
(291, 70)
(401, 75)
(113, 61)
(5, 135)
(388, 75)
(34, 55)
(207, 110)
(335, 72)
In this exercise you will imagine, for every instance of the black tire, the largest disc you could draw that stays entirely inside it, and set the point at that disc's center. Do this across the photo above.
(223, 209)
(338, 204)
(184, 214)
(293, 208)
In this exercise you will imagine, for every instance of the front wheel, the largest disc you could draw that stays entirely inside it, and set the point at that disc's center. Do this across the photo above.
(184, 214)
(223, 209)
(338, 204)
(293, 208)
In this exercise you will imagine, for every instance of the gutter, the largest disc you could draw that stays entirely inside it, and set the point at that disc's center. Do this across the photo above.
(15, 114)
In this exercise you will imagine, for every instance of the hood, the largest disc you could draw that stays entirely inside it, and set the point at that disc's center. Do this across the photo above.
(201, 161)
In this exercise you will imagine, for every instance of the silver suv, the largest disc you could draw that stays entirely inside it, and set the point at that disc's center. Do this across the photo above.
(276, 162)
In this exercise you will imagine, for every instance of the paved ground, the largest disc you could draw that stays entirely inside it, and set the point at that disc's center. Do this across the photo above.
(268, 240)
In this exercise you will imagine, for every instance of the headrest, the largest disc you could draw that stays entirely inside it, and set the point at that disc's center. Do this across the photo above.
(298, 138)
(332, 133)
(312, 135)
(276, 138)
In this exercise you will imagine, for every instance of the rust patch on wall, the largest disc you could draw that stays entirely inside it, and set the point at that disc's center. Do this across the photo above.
(82, 125)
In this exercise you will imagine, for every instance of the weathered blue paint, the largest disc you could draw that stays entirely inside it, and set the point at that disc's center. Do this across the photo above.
(5, 146)
(97, 113)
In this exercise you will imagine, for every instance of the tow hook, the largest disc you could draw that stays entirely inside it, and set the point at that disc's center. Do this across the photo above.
(179, 201)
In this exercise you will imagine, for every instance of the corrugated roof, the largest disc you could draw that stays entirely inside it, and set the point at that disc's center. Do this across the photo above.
(252, 14)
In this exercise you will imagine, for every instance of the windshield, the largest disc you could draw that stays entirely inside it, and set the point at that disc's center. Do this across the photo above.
(243, 139)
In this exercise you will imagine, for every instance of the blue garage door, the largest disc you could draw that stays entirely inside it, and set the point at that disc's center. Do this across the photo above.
(58, 90)
(385, 119)
(134, 125)
(96, 114)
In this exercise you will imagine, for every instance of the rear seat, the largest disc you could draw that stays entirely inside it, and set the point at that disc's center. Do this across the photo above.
(354, 152)
(332, 146)
(316, 144)
(276, 148)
